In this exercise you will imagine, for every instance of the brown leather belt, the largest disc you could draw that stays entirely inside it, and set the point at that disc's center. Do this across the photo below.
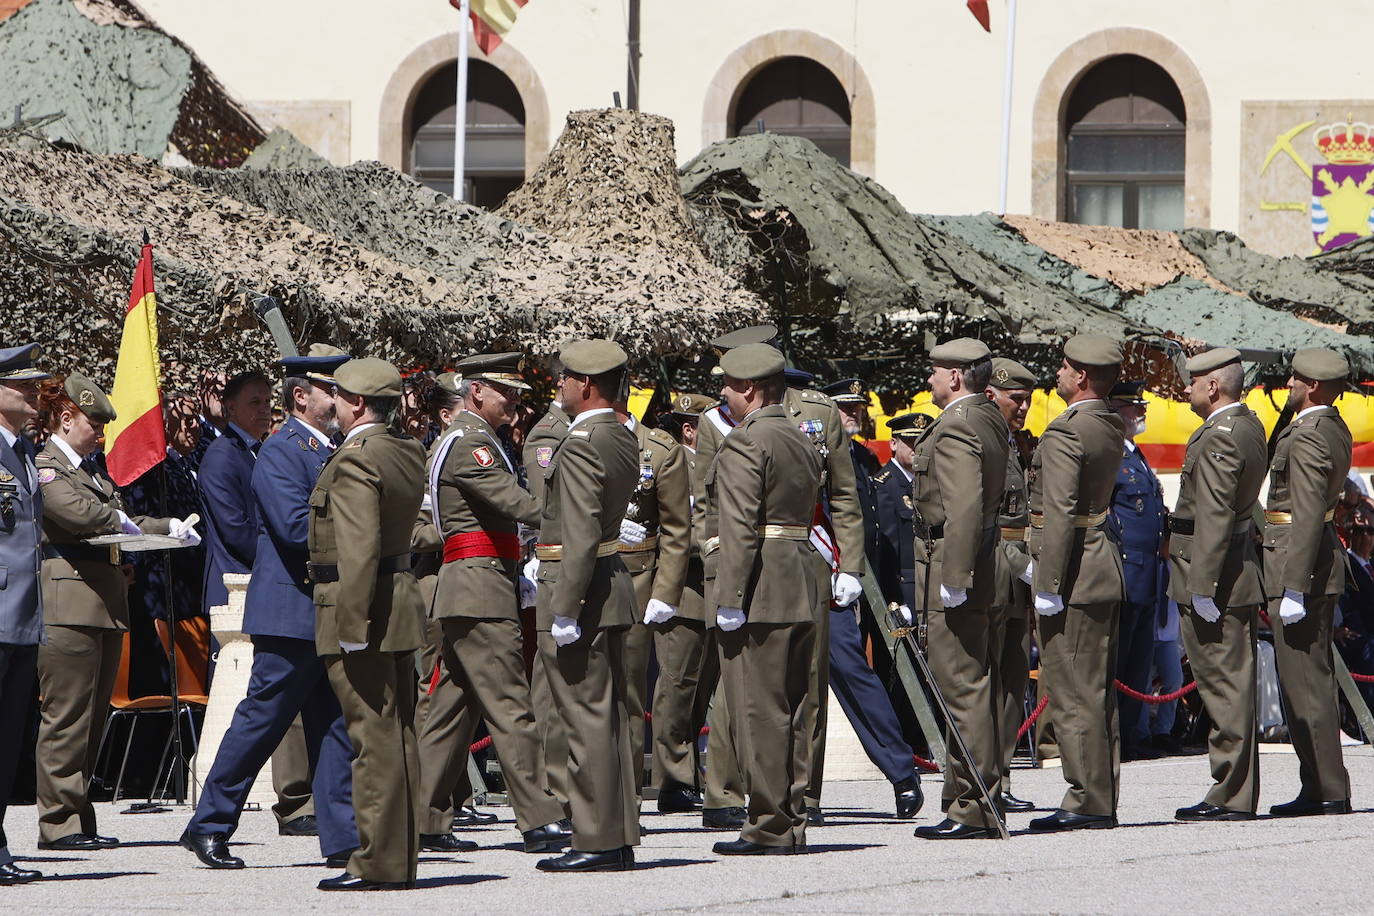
(649, 543)
(1286, 518)
(1037, 519)
(767, 532)
(329, 572)
(1013, 534)
(555, 551)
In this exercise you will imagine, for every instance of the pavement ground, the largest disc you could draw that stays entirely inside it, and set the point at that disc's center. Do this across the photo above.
(863, 861)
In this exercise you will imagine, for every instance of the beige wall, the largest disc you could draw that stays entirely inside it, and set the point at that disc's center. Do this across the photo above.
(928, 76)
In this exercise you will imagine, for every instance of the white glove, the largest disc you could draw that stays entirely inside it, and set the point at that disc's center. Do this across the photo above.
(658, 612)
(352, 646)
(729, 619)
(528, 590)
(565, 630)
(632, 534)
(531, 570)
(184, 532)
(951, 596)
(127, 526)
(1206, 608)
(906, 614)
(1291, 608)
(1047, 604)
(1027, 574)
(845, 588)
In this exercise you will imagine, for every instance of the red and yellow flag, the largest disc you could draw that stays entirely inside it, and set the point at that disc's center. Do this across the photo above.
(491, 20)
(137, 440)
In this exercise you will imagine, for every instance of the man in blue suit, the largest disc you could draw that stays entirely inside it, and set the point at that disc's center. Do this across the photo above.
(288, 676)
(21, 601)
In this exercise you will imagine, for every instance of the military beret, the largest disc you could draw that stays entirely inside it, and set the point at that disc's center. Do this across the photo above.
(846, 391)
(908, 425)
(370, 377)
(1320, 364)
(87, 395)
(759, 333)
(449, 381)
(319, 368)
(753, 361)
(1092, 350)
(593, 356)
(1131, 392)
(1009, 375)
(962, 351)
(324, 349)
(16, 364)
(692, 405)
(498, 368)
(1208, 360)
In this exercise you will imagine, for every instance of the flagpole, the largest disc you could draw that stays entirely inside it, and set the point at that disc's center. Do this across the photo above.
(1006, 106)
(460, 111)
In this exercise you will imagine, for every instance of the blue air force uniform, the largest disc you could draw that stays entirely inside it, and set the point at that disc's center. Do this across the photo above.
(231, 514)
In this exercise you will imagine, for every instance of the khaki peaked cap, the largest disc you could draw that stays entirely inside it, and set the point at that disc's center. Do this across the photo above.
(1211, 360)
(370, 377)
(961, 351)
(498, 368)
(593, 356)
(754, 361)
(1093, 350)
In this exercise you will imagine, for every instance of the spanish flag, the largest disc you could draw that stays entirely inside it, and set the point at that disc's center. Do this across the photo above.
(491, 20)
(137, 440)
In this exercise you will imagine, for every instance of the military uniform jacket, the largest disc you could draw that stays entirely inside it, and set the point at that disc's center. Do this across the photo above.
(587, 488)
(764, 474)
(662, 504)
(543, 440)
(362, 511)
(478, 492)
(83, 586)
(1138, 518)
(1223, 470)
(1306, 478)
(1013, 554)
(959, 468)
(865, 467)
(225, 479)
(895, 561)
(21, 538)
(1071, 478)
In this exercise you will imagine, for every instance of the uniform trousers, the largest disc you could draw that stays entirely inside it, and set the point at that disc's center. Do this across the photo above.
(687, 673)
(1010, 672)
(960, 655)
(587, 680)
(639, 652)
(1135, 653)
(818, 696)
(76, 676)
(486, 673)
(376, 692)
(1222, 656)
(287, 684)
(864, 700)
(553, 734)
(439, 697)
(1307, 681)
(1078, 666)
(764, 671)
(292, 775)
(17, 666)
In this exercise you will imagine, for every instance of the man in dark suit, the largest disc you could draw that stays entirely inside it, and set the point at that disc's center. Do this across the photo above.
(279, 614)
(1354, 632)
(21, 601)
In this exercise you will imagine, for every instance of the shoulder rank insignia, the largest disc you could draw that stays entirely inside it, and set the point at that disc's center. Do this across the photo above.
(46, 475)
(356, 443)
(5, 475)
(543, 454)
(314, 444)
(483, 456)
(581, 433)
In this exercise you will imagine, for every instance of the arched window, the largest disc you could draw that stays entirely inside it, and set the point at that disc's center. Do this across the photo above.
(796, 96)
(495, 154)
(1124, 131)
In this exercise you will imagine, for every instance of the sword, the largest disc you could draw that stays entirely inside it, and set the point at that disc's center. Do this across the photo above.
(269, 310)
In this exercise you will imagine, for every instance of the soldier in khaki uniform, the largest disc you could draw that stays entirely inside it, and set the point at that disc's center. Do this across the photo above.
(85, 610)
(1077, 581)
(477, 502)
(1304, 574)
(763, 483)
(661, 506)
(1010, 392)
(959, 468)
(370, 617)
(585, 604)
(1214, 576)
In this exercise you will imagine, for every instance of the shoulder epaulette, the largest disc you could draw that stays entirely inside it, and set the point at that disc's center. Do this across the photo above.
(662, 438)
(811, 394)
(581, 433)
(881, 476)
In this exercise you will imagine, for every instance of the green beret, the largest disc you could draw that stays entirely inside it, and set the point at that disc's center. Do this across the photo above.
(1320, 364)
(693, 405)
(1092, 350)
(87, 395)
(962, 351)
(1009, 375)
(448, 381)
(370, 377)
(908, 425)
(593, 356)
(759, 333)
(498, 368)
(1209, 360)
(754, 361)
(324, 349)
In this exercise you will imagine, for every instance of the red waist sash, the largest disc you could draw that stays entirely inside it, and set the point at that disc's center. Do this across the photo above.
(481, 544)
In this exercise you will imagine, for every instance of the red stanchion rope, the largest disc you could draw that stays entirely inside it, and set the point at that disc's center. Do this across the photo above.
(1362, 678)
(929, 766)
(1035, 714)
(1156, 699)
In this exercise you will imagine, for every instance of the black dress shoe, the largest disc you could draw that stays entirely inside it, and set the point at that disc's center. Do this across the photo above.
(79, 842)
(678, 800)
(815, 816)
(305, 825)
(1012, 803)
(13, 874)
(909, 797)
(549, 838)
(339, 859)
(445, 842)
(468, 816)
(1067, 820)
(723, 818)
(622, 859)
(347, 882)
(1202, 811)
(746, 848)
(1298, 807)
(953, 830)
(211, 848)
